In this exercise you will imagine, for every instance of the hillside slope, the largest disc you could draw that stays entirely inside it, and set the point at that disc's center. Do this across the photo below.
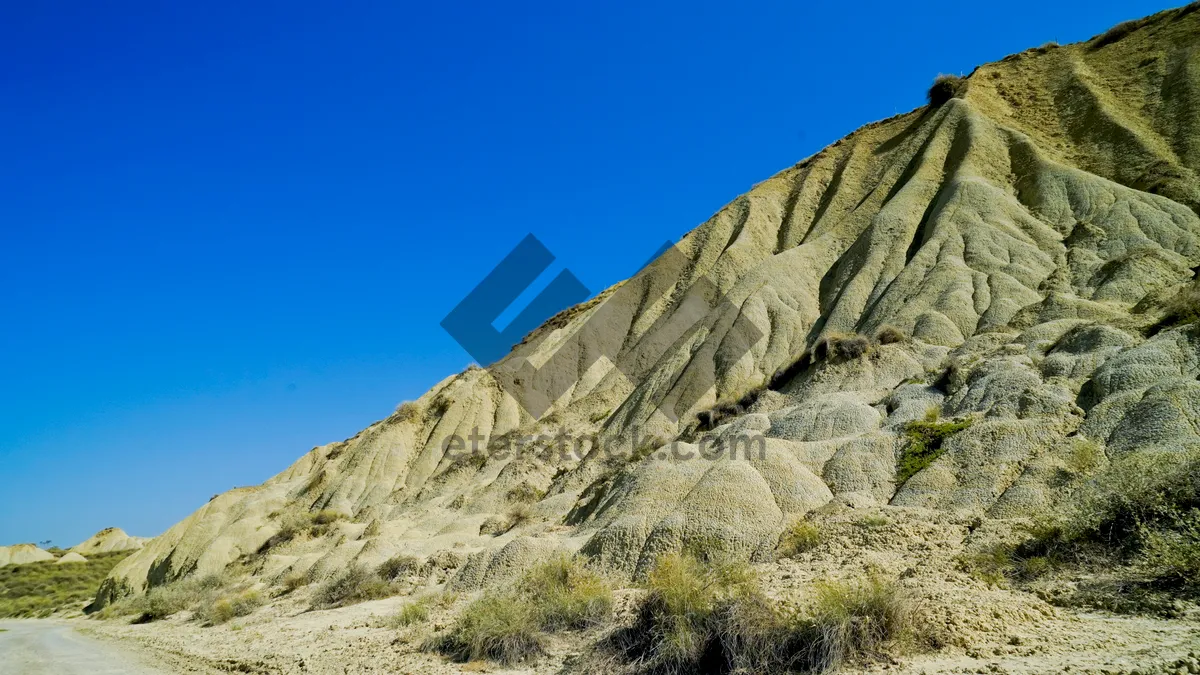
(1021, 237)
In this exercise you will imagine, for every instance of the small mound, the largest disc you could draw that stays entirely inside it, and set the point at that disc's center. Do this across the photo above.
(71, 557)
(21, 554)
(109, 540)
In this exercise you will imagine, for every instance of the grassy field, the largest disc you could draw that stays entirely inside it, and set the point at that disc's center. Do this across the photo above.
(42, 588)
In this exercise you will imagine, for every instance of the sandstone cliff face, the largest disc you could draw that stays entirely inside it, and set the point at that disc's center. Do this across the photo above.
(1022, 237)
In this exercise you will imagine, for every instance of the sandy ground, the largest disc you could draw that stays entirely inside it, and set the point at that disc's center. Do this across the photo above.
(288, 638)
(37, 647)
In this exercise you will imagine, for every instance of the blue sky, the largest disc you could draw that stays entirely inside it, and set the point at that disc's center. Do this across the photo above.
(228, 232)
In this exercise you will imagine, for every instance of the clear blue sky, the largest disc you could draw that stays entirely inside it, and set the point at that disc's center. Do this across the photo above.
(228, 232)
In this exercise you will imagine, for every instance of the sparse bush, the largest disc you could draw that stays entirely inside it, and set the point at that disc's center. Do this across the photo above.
(861, 619)
(525, 493)
(416, 611)
(219, 609)
(356, 584)
(295, 580)
(600, 416)
(498, 627)
(923, 444)
(800, 537)
(296, 525)
(409, 411)
(566, 595)
(1142, 511)
(469, 460)
(373, 529)
(842, 347)
(398, 566)
(163, 601)
(887, 335)
(704, 618)
(518, 515)
(1084, 456)
(507, 626)
(944, 88)
(851, 348)
(872, 522)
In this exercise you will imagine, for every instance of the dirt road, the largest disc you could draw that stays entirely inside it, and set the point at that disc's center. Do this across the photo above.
(32, 647)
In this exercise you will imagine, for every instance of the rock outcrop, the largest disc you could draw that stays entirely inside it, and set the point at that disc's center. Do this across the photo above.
(1017, 243)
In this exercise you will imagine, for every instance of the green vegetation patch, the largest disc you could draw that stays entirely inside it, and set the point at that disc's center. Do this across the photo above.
(923, 443)
(39, 589)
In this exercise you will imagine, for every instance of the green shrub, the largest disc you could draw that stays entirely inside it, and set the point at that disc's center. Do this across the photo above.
(923, 444)
(1172, 555)
(800, 537)
(944, 88)
(872, 522)
(356, 584)
(411, 613)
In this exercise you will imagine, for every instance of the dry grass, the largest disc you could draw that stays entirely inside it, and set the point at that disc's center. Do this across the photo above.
(409, 411)
(305, 524)
(525, 494)
(944, 88)
(494, 627)
(508, 626)
(800, 537)
(167, 600)
(356, 584)
(888, 335)
(715, 619)
(860, 620)
(398, 566)
(221, 608)
(411, 613)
